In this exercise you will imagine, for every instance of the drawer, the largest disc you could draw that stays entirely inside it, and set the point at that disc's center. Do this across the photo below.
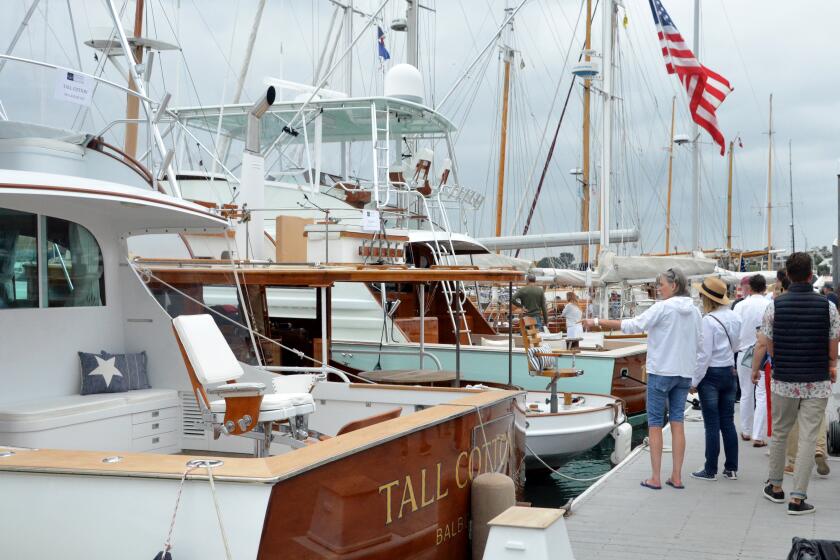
(154, 414)
(153, 442)
(154, 427)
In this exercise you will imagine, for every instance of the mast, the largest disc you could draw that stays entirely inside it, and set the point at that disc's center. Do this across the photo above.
(790, 182)
(132, 106)
(606, 155)
(729, 198)
(606, 148)
(411, 19)
(670, 176)
(500, 190)
(587, 93)
(770, 187)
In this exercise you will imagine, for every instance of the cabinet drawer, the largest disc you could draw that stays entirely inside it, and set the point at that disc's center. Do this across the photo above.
(154, 415)
(154, 427)
(150, 443)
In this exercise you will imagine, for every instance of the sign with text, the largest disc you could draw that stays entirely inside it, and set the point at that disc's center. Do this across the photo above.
(73, 87)
(370, 220)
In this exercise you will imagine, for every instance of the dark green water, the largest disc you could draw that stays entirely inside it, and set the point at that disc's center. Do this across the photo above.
(546, 489)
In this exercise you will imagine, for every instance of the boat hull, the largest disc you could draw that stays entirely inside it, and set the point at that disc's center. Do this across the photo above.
(398, 489)
(554, 439)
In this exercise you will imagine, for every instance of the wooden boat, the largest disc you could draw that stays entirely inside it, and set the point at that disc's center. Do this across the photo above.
(369, 487)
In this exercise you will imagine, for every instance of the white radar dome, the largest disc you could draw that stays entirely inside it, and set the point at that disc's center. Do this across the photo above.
(404, 81)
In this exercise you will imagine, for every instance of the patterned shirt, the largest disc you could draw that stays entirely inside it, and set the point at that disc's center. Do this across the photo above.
(798, 390)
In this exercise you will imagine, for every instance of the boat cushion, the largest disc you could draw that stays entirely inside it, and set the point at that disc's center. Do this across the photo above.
(96, 371)
(55, 412)
(275, 406)
(539, 363)
(100, 374)
(208, 351)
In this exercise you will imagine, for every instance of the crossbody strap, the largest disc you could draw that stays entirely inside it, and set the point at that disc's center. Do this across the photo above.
(724, 331)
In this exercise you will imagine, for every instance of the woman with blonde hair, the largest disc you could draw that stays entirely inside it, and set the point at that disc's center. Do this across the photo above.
(573, 315)
(716, 381)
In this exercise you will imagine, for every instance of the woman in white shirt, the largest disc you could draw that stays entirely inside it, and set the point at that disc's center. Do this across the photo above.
(573, 315)
(716, 381)
(673, 328)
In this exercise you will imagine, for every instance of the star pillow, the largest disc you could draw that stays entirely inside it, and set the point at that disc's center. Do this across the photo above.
(101, 375)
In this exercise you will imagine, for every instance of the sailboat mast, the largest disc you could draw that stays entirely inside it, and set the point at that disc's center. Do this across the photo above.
(790, 182)
(587, 94)
(132, 105)
(670, 178)
(695, 149)
(500, 190)
(729, 198)
(606, 150)
(770, 186)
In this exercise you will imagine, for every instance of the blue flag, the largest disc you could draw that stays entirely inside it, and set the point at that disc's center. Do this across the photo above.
(383, 52)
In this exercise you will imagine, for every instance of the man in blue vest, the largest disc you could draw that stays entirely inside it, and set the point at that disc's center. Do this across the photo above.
(800, 330)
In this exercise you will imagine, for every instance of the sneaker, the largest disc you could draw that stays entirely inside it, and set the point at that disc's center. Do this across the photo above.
(822, 465)
(730, 475)
(789, 470)
(703, 475)
(775, 497)
(802, 508)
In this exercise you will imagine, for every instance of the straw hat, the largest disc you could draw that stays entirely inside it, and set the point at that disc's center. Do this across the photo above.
(714, 289)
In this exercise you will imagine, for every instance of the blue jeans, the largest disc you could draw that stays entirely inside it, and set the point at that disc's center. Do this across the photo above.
(666, 390)
(717, 399)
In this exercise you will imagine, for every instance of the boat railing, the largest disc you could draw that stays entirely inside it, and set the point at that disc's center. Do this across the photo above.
(156, 114)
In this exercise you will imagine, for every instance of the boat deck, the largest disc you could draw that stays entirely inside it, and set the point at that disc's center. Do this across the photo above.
(619, 519)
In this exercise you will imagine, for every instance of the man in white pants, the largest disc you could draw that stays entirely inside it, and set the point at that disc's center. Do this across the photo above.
(753, 408)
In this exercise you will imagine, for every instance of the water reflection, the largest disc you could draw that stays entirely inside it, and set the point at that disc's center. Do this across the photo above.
(546, 489)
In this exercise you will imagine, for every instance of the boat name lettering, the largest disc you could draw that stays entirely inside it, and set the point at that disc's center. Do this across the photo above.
(412, 493)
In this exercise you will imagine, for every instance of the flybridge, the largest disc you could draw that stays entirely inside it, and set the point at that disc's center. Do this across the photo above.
(344, 120)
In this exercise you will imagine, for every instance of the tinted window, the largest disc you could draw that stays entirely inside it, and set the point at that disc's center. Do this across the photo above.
(74, 266)
(18, 259)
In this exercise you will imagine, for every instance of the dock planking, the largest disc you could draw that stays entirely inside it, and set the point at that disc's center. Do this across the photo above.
(713, 520)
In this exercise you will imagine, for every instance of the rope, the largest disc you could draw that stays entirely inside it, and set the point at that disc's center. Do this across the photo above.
(218, 512)
(558, 473)
(167, 545)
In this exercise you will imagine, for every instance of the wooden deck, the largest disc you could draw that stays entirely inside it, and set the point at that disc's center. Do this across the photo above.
(619, 519)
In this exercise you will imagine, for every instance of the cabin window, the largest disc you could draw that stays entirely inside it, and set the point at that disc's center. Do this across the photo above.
(18, 259)
(74, 266)
(48, 262)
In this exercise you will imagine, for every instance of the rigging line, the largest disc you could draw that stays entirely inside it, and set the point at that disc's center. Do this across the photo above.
(490, 43)
(557, 129)
(75, 38)
(191, 79)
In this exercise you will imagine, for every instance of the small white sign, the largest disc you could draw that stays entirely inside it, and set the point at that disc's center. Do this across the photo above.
(370, 220)
(74, 87)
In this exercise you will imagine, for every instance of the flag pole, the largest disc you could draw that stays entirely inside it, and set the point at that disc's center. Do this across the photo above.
(670, 177)
(695, 146)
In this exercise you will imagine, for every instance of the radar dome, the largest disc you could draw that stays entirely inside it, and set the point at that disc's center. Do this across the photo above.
(404, 81)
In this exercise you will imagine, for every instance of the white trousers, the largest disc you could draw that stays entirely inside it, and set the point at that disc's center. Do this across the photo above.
(759, 430)
(747, 397)
(753, 408)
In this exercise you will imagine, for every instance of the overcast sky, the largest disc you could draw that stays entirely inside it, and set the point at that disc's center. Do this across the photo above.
(762, 47)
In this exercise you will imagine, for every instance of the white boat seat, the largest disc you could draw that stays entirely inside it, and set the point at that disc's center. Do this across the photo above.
(213, 368)
(274, 406)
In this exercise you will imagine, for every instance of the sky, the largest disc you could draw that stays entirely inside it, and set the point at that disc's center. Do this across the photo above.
(763, 47)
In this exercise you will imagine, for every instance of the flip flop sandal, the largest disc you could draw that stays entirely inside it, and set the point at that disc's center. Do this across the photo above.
(651, 486)
(670, 483)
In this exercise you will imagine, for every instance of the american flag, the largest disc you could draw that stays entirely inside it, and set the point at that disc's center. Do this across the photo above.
(706, 89)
